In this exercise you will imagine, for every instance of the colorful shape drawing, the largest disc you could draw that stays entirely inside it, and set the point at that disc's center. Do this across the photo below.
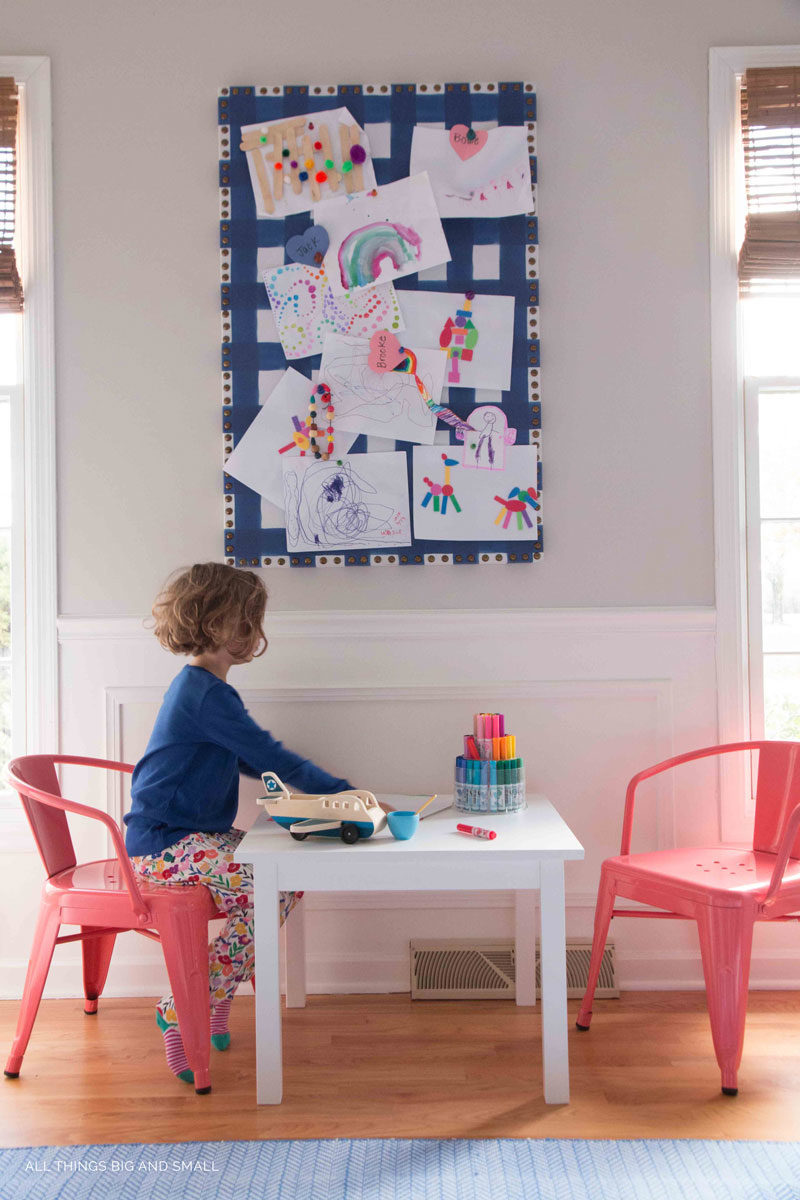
(459, 338)
(445, 490)
(362, 252)
(485, 446)
(300, 437)
(515, 504)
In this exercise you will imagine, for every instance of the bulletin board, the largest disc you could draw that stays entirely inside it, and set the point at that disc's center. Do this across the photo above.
(491, 256)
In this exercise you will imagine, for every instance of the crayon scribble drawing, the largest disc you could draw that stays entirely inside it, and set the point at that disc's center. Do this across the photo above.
(441, 493)
(459, 339)
(485, 444)
(515, 504)
(387, 404)
(346, 503)
(305, 309)
(382, 234)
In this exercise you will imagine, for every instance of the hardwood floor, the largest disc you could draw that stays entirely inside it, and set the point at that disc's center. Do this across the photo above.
(382, 1066)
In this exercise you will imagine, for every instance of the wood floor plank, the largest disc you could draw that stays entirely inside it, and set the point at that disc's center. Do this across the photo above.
(384, 1066)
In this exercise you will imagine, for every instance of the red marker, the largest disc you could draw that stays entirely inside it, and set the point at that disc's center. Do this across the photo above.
(475, 831)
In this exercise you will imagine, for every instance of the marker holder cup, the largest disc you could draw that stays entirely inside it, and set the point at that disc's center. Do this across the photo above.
(488, 798)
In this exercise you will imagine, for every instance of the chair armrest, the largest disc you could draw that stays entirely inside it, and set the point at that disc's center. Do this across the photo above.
(82, 810)
(666, 765)
(782, 857)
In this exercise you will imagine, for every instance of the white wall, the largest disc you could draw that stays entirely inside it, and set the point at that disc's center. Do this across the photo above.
(593, 694)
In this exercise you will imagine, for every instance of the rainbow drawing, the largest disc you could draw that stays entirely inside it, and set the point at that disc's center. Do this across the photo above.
(362, 251)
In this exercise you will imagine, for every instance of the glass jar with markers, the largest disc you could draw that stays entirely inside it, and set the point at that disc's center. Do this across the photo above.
(489, 777)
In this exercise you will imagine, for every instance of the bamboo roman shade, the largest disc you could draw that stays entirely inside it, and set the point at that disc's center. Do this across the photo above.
(769, 260)
(10, 285)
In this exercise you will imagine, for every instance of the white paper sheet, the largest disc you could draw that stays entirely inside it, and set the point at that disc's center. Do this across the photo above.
(382, 234)
(426, 316)
(386, 405)
(494, 182)
(358, 501)
(477, 514)
(258, 455)
(305, 309)
(310, 125)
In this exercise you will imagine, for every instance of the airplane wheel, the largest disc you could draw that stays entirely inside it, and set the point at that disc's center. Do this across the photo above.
(298, 837)
(350, 834)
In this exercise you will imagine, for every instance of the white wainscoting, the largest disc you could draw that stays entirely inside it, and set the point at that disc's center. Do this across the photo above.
(383, 698)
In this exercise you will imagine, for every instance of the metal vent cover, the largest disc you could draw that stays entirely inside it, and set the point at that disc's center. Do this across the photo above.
(466, 969)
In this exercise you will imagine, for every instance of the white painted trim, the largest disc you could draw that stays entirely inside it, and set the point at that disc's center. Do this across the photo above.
(424, 623)
(37, 256)
(727, 404)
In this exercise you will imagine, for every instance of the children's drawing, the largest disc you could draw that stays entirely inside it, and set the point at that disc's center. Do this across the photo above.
(305, 309)
(382, 234)
(296, 161)
(474, 518)
(459, 339)
(387, 403)
(279, 431)
(346, 503)
(515, 503)
(443, 490)
(432, 319)
(488, 175)
(485, 444)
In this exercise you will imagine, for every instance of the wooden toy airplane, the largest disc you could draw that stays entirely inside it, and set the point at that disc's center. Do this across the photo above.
(348, 815)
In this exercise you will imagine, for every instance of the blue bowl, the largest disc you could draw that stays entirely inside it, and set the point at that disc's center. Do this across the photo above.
(403, 825)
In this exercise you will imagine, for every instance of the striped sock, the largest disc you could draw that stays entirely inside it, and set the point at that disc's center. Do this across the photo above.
(177, 1061)
(220, 1037)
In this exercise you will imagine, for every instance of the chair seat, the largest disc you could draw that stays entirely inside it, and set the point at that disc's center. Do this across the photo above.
(726, 875)
(100, 886)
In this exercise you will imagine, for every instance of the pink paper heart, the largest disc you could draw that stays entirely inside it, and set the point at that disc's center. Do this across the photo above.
(385, 352)
(466, 141)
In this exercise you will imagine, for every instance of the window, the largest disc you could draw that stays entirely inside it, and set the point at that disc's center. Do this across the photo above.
(28, 634)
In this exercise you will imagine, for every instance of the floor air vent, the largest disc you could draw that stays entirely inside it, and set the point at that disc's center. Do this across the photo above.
(464, 969)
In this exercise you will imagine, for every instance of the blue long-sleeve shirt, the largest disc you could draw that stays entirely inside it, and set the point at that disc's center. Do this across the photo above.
(188, 780)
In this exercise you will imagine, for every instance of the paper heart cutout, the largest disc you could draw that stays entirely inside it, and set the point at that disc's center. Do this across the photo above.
(385, 352)
(309, 248)
(466, 142)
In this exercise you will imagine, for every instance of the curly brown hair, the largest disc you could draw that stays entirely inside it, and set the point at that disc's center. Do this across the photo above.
(211, 605)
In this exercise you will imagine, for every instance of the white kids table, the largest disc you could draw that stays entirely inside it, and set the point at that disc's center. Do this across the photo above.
(527, 856)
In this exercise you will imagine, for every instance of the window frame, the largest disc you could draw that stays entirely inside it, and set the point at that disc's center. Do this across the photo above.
(726, 65)
(34, 608)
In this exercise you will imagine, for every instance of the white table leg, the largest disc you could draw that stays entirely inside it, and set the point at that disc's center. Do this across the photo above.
(525, 945)
(269, 1058)
(555, 1054)
(295, 929)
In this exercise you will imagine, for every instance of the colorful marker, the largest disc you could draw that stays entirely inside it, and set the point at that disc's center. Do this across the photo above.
(476, 831)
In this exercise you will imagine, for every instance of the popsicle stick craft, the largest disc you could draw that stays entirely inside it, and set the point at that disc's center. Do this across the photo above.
(293, 162)
(339, 222)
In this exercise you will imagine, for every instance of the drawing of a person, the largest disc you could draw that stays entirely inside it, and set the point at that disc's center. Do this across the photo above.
(485, 444)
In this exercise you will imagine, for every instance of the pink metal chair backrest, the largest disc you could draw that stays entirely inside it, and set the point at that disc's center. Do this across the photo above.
(777, 794)
(48, 824)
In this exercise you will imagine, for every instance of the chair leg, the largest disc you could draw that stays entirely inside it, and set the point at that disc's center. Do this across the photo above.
(184, 940)
(726, 939)
(44, 940)
(602, 920)
(97, 951)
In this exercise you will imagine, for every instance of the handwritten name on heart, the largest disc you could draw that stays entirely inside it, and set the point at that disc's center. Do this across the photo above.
(385, 352)
(466, 142)
(309, 248)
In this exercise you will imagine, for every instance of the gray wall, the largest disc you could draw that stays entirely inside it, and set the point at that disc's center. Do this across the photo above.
(623, 199)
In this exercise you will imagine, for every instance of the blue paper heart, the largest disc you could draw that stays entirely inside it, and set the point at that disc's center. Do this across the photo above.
(309, 247)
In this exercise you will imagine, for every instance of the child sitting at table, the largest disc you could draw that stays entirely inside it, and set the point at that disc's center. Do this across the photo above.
(185, 788)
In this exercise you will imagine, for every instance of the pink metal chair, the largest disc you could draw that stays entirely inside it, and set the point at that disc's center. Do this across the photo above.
(105, 898)
(725, 889)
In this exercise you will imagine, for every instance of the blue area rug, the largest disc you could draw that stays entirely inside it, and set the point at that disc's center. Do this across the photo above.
(407, 1170)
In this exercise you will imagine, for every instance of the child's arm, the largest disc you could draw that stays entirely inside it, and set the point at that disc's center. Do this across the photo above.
(227, 722)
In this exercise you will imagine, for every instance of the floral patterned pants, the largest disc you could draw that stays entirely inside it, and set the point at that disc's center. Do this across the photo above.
(210, 859)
